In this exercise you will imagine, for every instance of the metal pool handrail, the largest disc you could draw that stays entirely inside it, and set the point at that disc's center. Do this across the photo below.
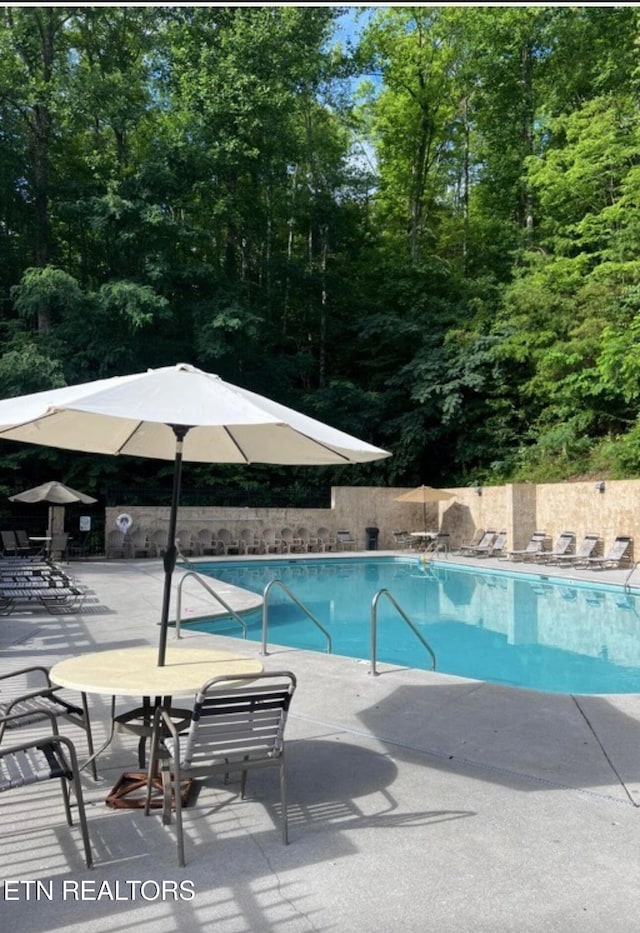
(307, 612)
(627, 587)
(203, 583)
(374, 629)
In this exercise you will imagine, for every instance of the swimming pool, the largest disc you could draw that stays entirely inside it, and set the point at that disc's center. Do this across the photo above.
(522, 630)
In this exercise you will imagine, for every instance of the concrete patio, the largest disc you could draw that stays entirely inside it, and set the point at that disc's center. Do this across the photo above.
(418, 801)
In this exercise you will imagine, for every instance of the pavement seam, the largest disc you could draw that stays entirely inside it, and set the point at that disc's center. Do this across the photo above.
(604, 752)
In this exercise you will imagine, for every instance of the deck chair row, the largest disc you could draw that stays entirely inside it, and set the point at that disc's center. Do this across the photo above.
(565, 551)
(152, 543)
(25, 581)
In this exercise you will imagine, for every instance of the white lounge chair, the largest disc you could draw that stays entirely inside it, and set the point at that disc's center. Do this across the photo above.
(619, 555)
(486, 540)
(586, 550)
(532, 550)
(493, 548)
(564, 546)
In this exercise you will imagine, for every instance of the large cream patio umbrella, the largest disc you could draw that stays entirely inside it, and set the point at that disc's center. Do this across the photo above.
(425, 494)
(57, 495)
(177, 413)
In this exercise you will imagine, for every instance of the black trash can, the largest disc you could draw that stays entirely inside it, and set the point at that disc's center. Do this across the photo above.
(372, 538)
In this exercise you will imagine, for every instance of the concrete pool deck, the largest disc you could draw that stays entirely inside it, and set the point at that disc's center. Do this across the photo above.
(417, 801)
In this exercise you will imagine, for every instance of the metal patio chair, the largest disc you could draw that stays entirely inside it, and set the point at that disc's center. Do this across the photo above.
(28, 691)
(237, 724)
(49, 758)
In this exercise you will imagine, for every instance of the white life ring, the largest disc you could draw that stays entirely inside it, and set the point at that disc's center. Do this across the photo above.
(124, 523)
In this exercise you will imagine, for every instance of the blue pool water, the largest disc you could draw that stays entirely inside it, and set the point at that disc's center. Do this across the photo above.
(507, 628)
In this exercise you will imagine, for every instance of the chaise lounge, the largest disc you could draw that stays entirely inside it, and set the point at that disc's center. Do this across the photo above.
(532, 550)
(619, 555)
(564, 547)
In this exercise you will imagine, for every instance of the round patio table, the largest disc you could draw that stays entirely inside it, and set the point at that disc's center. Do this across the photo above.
(135, 672)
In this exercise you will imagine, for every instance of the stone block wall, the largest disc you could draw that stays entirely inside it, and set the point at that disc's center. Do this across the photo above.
(520, 509)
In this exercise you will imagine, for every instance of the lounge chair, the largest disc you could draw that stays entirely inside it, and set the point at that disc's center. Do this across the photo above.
(619, 555)
(486, 540)
(531, 551)
(54, 592)
(564, 546)
(587, 549)
(493, 548)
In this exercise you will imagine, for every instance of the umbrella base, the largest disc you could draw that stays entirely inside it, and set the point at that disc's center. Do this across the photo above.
(130, 792)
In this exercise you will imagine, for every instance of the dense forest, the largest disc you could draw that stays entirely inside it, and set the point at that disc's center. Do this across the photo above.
(428, 237)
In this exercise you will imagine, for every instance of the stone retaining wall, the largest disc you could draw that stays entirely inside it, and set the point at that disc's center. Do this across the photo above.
(519, 508)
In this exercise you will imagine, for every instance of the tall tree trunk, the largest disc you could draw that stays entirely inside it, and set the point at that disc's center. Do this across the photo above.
(526, 77)
(322, 353)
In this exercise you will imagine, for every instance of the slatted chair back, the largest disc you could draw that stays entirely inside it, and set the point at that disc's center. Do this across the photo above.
(9, 542)
(565, 543)
(345, 540)
(234, 724)
(24, 545)
(58, 547)
(588, 546)
(620, 553)
(29, 692)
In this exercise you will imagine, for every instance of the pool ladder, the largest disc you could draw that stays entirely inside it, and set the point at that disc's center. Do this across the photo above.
(196, 576)
(627, 585)
(374, 629)
(307, 612)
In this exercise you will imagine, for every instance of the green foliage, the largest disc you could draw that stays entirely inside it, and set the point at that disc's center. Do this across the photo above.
(445, 263)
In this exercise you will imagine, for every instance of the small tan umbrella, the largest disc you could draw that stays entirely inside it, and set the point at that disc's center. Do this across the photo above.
(425, 494)
(57, 495)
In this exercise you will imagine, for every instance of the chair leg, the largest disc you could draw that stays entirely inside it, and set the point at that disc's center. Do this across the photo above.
(283, 804)
(77, 789)
(64, 787)
(178, 801)
(92, 756)
(153, 759)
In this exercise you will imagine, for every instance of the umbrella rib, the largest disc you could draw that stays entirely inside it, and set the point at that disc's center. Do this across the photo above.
(315, 441)
(128, 438)
(236, 444)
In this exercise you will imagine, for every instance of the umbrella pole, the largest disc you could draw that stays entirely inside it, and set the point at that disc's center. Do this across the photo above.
(171, 551)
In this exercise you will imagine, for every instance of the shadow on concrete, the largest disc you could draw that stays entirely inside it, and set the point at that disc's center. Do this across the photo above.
(522, 739)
